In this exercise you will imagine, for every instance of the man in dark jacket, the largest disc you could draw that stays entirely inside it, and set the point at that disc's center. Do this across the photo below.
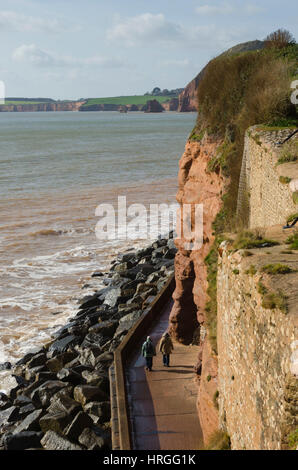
(148, 351)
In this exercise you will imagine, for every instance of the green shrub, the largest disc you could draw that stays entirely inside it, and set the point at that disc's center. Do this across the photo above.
(277, 269)
(251, 271)
(196, 137)
(292, 439)
(292, 217)
(274, 300)
(262, 289)
(289, 152)
(293, 241)
(219, 440)
(285, 179)
(211, 306)
(236, 271)
(246, 239)
(236, 92)
(208, 378)
(295, 197)
(215, 399)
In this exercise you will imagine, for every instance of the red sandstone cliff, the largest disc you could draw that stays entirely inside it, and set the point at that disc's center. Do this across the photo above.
(197, 186)
(187, 100)
(49, 106)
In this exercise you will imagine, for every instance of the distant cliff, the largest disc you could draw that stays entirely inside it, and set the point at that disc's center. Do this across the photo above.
(48, 106)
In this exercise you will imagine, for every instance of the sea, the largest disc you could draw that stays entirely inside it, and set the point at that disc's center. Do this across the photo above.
(56, 168)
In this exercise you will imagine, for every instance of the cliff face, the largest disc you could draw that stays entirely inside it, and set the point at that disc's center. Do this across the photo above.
(187, 100)
(197, 186)
(255, 343)
(36, 107)
(171, 105)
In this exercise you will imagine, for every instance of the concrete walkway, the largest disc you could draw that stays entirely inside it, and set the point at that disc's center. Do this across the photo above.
(163, 402)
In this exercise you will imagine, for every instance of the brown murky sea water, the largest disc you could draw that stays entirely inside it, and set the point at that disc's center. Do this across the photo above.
(55, 169)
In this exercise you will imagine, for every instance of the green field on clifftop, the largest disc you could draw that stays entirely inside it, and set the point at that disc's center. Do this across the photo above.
(125, 100)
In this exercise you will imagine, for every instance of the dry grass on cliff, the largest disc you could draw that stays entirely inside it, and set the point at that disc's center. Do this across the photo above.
(219, 440)
(235, 93)
(243, 90)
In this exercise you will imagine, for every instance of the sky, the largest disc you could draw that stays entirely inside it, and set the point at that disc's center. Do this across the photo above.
(71, 49)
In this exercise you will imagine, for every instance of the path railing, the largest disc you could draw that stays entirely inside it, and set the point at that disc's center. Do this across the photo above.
(121, 429)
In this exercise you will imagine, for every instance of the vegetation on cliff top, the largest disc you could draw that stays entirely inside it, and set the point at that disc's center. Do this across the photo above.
(127, 100)
(293, 241)
(219, 440)
(238, 91)
(248, 239)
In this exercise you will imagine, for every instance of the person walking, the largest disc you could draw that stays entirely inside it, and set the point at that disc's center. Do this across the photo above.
(148, 351)
(166, 347)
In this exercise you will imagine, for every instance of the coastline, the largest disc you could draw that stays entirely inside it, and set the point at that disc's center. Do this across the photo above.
(61, 400)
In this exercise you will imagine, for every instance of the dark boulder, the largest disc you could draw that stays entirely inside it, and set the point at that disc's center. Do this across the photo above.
(62, 403)
(100, 412)
(105, 359)
(58, 362)
(9, 415)
(25, 411)
(97, 274)
(86, 393)
(93, 339)
(23, 440)
(46, 390)
(127, 322)
(106, 328)
(61, 345)
(30, 423)
(69, 375)
(88, 356)
(29, 389)
(5, 366)
(127, 257)
(90, 301)
(37, 360)
(91, 441)
(22, 400)
(29, 355)
(79, 423)
(113, 296)
(54, 422)
(45, 376)
(97, 378)
(53, 441)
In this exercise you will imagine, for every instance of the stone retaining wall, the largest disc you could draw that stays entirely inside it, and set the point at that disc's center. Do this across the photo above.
(261, 194)
(257, 387)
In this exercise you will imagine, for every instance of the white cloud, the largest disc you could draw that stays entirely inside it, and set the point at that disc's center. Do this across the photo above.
(17, 22)
(226, 8)
(148, 29)
(143, 28)
(32, 54)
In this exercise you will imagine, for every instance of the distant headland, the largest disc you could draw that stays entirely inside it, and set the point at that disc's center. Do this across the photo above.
(155, 101)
